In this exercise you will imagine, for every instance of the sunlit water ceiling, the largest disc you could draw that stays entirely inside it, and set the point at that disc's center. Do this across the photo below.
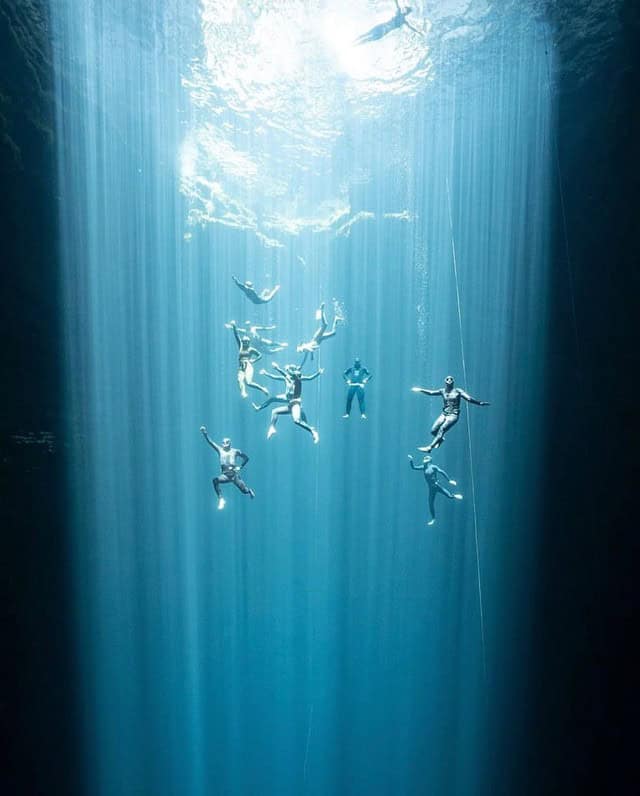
(276, 87)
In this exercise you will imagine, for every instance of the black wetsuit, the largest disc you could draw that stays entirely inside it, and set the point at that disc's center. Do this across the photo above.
(229, 467)
(356, 378)
(431, 472)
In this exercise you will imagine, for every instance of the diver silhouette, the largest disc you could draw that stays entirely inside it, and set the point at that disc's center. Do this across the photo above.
(397, 21)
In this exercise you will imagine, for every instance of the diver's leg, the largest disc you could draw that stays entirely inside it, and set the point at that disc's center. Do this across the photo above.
(300, 419)
(242, 382)
(350, 394)
(435, 429)
(432, 506)
(243, 487)
(275, 414)
(248, 378)
(220, 479)
(439, 488)
(275, 399)
(360, 394)
(449, 423)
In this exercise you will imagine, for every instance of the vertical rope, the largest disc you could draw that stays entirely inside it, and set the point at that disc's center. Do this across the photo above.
(473, 482)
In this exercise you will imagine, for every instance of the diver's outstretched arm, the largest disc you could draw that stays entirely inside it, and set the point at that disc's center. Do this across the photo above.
(213, 444)
(273, 376)
(315, 375)
(426, 391)
(277, 367)
(471, 399)
(413, 465)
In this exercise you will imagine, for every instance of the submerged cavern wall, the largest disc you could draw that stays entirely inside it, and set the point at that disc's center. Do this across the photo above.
(36, 713)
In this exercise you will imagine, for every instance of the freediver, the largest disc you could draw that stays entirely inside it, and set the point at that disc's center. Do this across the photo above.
(431, 473)
(321, 332)
(397, 21)
(263, 344)
(252, 294)
(293, 378)
(229, 467)
(450, 414)
(247, 356)
(281, 398)
(356, 377)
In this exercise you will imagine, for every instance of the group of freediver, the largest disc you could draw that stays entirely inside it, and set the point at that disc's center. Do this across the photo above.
(251, 348)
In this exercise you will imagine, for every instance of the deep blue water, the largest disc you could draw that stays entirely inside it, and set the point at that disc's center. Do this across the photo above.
(320, 639)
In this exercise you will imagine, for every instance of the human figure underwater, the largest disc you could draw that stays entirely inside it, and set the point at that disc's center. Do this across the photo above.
(247, 356)
(229, 467)
(397, 21)
(252, 294)
(281, 398)
(431, 473)
(356, 377)
(450, 414)
(293, 378)
(321, 332)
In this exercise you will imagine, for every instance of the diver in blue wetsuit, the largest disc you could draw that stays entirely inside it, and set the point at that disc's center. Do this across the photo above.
(232, 461)
(397, 21)
(356, 377)
(431, 473)
(451, 397)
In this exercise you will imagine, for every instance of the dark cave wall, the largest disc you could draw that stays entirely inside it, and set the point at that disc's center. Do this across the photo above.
(581, 725)
(36, 712)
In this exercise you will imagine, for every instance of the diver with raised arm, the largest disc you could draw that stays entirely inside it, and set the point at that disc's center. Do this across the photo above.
(321, 332)
(431, 473)
(397, 21)
(252, 294)
(293, 379)
(357, 376)
(232, 461)
(451, 397)
(247, 357)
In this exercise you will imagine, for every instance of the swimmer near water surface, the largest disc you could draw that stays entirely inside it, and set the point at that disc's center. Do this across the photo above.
(232, 461)
(397, 21)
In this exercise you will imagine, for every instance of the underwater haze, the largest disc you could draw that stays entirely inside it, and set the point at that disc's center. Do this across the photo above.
(321, 638)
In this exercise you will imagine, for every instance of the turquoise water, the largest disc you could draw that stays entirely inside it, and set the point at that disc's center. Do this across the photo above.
(319, 639)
